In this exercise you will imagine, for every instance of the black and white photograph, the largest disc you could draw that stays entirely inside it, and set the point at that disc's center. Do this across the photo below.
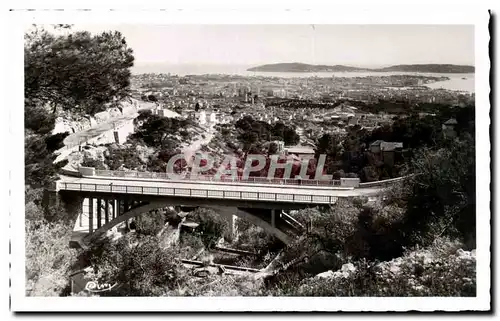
(275, 160)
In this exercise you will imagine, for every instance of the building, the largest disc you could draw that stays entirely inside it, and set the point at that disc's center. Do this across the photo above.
(386, 151)
(448, 128)
(300, 150)
(202, 118)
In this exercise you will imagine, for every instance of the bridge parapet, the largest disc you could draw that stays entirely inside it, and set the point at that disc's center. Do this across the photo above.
(342, 183)
(87, 171)
(383, 183)
(211, 178)
(349, 182)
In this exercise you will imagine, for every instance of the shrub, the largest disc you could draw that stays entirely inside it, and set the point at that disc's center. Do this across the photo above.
(430, 272)
(190, 245)
(212, 226)
(442, 197)
(253, 238)
(91, 162)
(48, 257)
(150, 223)
(139, 266)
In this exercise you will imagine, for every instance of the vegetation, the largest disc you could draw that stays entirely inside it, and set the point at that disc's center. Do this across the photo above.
(212, 226)
(350, 153)
(76, 70)
(150, 223)
(39, 169)
(139, 265)
(158, 132)
(433, 272)
(254, 133)
(48, 257)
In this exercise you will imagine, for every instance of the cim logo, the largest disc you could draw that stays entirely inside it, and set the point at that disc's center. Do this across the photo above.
(93, 286)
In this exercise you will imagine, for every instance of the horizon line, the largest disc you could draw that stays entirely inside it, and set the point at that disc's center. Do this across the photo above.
(144, 63)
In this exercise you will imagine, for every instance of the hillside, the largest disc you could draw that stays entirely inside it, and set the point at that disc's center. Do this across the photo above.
(436, 68)
(300, 67)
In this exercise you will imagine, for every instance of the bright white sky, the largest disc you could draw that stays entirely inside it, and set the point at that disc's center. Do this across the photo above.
(358, 45)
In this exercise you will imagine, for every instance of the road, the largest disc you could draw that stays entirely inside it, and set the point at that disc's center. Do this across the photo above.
(84, 135)
(231, 187)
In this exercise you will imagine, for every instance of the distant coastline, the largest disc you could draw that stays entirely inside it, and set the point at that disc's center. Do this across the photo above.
(424, 68)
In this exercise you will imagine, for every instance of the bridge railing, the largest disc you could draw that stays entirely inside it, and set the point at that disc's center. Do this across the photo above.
(199, 193)
(211, 178)
(385, 182)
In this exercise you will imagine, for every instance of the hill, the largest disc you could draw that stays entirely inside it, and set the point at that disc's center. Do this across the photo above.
(436, 68)
(300, 67)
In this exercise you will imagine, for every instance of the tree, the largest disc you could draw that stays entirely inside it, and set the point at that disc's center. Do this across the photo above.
(212, 226)
(38, 159)
(156, 131)
(77, 71)
(139, 266)
(150, 223)
(443, 194)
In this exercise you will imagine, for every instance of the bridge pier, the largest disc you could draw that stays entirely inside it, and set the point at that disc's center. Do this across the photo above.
(91, 215)
(231, 223)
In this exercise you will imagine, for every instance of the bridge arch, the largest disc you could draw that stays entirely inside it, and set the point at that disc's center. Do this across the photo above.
(134, 212)
(242, 214)
(227, 212)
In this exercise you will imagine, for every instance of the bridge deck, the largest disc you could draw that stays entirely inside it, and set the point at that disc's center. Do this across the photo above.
(269, 193)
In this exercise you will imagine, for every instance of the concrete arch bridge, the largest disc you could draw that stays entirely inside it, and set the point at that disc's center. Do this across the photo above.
(105, 199)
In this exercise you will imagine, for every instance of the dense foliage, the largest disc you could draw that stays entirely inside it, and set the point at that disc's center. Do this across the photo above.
(76, 70)
(254, 132)
(439, 271)
(212, 226)
(159, 132)
(39, 169)
(139, 265)
(48, 256)
(78, 73)
(350, 153)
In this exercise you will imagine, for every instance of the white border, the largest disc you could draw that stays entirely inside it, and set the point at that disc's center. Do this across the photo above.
(268, 13)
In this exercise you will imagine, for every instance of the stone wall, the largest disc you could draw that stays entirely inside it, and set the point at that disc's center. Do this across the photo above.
(349, 182)
(68, 123)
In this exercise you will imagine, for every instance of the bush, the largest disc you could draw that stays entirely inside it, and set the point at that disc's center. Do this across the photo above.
(253, 238)
(48, 257)
(190, 245)
(442, 197)
(123, 156)
(430, 272)
(154, 130)
(139, 266)
(91, 162)
(150, 223)
(212, 226)
(39, 169)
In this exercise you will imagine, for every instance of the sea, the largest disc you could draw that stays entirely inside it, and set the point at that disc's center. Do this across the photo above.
(459, 82)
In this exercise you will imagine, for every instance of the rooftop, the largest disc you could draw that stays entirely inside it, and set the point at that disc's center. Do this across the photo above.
(300, 150)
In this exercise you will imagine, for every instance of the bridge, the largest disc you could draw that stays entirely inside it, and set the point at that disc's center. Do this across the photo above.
(108, 198)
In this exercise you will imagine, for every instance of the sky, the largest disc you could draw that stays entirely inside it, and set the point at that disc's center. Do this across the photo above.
(355, 45)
